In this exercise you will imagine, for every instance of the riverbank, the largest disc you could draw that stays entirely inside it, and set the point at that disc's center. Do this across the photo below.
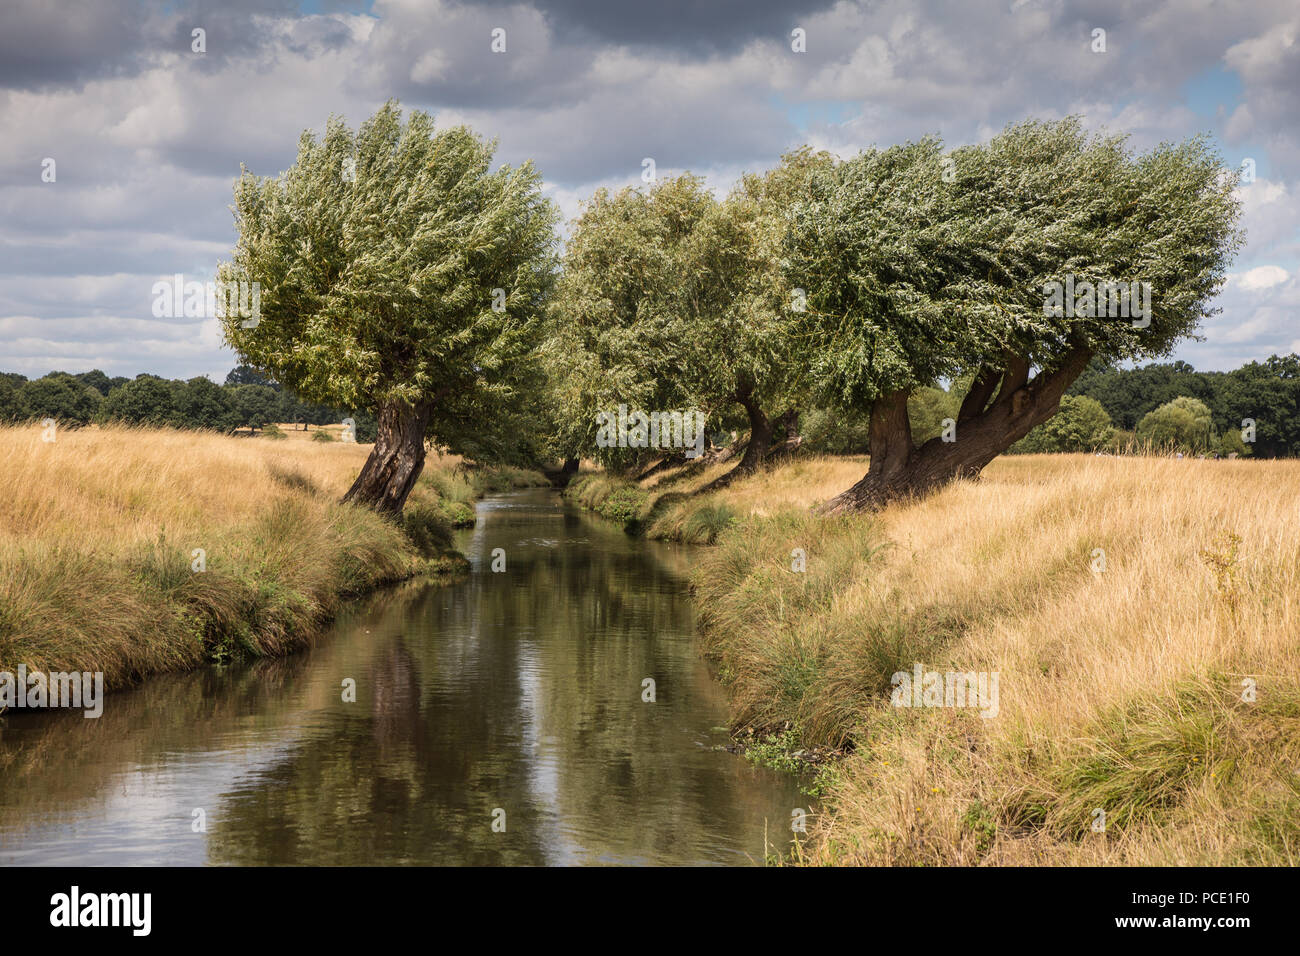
(136, 551)
(1135, 619)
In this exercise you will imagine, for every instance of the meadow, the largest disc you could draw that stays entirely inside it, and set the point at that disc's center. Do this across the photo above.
(132, 551)
(1142, 613)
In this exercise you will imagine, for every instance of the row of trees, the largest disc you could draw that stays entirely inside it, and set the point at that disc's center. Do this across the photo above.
(855, 287)
(248, 399)
(1250, 411)
(400, 272)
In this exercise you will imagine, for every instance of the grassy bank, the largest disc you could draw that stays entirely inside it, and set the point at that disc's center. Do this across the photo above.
(101, 532)
(1120, 690)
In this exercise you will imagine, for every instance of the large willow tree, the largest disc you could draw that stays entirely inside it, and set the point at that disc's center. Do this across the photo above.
(921, 267)
(399, 273)
(616, 321)
(672, 298)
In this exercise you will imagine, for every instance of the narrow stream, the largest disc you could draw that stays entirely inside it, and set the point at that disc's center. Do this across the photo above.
(512, 696)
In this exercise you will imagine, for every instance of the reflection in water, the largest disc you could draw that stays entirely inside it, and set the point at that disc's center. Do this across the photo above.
(517, 691)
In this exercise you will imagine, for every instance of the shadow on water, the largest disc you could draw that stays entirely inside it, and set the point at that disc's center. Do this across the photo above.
(517, 690)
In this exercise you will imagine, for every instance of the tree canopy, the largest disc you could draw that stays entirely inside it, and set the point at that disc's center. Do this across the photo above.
(923, 266)
(400, 274)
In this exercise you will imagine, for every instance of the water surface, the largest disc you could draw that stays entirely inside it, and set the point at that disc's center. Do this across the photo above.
(514, 695)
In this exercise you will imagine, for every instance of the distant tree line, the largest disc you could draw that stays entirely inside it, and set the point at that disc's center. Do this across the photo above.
(1266, 394)
(247, 399)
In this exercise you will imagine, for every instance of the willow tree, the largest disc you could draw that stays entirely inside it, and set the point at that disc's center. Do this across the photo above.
(740, 312)
(398, 273)
(989, 263)
(670, 297)
(616, 333)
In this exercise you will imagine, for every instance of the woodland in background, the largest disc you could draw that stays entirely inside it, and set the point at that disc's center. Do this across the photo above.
(247, 399)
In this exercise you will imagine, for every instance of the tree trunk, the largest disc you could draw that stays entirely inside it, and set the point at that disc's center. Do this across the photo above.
(899, 469)
(756, 449)
(395, 462)
(790, 424)
(760, 436)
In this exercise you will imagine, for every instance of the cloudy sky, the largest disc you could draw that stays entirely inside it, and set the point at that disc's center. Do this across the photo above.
(147, 135)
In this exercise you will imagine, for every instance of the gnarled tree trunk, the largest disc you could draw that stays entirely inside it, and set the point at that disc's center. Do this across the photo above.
(396, 461)
(760, 434)
(899, 469)
(756, 448)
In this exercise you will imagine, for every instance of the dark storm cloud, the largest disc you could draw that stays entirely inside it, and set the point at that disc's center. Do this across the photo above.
(44, 44)
(688, 26)
(52, 44)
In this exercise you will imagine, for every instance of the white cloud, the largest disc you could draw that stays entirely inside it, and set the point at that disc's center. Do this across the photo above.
(1261, 277)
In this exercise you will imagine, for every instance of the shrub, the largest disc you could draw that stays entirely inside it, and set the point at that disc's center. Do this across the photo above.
(1081, 424)
(1183, 424)
(624, 505)
(458, 514)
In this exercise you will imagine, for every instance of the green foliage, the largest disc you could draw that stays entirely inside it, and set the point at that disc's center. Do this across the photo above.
(378, 289)
(927, 407)
(459, 514)
(611, 498)
(1081, 424)
(248, 399)
(624, 505)
(428, 529)
(1136, 764)
(1183, 424)
(1266, 394)
(923, 267)
(452, 485)
(247, 375)
(253, 406)
(147, 400)
(981, 823)
(835, 431)
(12, 408)
(671, 299)
(59, 396)
(201, 403)
(707, 522)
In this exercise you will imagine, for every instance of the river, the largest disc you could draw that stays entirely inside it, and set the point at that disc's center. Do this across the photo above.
(498, 720)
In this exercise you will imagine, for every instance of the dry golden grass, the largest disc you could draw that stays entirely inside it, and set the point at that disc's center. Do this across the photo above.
(99, 528)
(107, 486)
(1119, 689)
